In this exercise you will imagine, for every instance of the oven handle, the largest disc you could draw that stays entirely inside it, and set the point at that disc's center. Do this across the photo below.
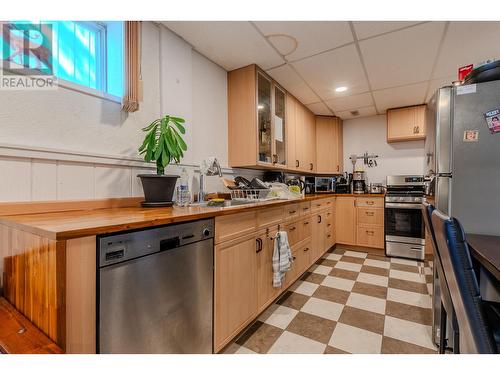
(412, 206)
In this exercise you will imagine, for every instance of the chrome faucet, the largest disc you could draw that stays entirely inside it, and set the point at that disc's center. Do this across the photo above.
(209, 167)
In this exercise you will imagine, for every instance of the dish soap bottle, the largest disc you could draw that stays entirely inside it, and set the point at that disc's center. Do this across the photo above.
(183, 193)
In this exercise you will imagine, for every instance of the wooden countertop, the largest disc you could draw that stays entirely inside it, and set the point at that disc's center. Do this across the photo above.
(486, 250)
(73, 224)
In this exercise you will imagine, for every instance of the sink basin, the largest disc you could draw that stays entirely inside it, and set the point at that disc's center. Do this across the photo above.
(228, 203)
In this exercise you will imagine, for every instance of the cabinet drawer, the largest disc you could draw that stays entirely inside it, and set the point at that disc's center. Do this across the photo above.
(370, 236)
(292, 211)
(370, 202)
(234, 226)
(294, 232)
(321, 204)
(302, 254)
(305, 227)
(305, 208)
(270, 216)
(371, 216)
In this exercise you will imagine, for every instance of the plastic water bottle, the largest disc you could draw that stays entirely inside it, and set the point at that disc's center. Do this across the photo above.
(183, 193)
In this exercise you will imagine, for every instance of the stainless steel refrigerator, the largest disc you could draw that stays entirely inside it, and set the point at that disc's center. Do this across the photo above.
(463, 155)
(462, 161)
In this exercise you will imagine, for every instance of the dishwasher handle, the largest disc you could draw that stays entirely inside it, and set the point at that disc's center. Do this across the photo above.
(170, 243)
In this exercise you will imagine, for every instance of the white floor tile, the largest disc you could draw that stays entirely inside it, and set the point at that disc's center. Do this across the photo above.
(368, 303)
(268, 312)
(290, 343)
(409, 298)
(429, 289)
(407, 262)
(322, 270)
(335, 257)
(339, 283)
(411, 332)
(306, 288)
(355, 340)
(428, 271)
(377, 263)
(373, 279)
(348, 266)
(408, 276)
(356, 254)
(243, 350)
(323, 308)
(281, 317)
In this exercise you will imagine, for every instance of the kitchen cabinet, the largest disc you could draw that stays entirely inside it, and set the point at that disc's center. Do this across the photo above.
(265, 248)
(329, 149)
(235, 298)
(301, 141)
(318, 235)
(256, 120)
(406, 124)
(345, 220)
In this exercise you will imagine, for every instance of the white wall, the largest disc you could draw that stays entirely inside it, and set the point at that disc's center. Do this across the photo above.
(65, 144)
(368, 134)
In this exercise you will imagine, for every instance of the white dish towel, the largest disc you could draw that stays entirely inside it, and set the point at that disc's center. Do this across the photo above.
(282, 258)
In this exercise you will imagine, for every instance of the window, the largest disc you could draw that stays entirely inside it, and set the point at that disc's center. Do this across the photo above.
(86, 53)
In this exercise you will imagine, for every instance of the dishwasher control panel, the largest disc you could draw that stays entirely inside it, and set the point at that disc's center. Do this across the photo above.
(118, 248)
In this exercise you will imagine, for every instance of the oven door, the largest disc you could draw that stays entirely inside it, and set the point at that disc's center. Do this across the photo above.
(403, 223)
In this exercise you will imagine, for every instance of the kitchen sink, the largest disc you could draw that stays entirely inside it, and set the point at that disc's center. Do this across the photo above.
(228, 203)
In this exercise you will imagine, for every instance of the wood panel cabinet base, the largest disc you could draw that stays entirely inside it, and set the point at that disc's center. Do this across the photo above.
(364, 249)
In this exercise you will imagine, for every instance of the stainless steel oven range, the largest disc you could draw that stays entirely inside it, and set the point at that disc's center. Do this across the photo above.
(404, 226)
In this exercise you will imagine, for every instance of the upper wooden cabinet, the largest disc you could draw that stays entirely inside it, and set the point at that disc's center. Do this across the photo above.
(329, 149)
(406, 124)
(257, 120)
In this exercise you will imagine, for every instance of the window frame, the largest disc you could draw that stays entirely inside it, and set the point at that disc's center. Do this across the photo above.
(101, 91)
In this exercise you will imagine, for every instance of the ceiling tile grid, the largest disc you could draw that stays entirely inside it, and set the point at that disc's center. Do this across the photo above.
(405, 61)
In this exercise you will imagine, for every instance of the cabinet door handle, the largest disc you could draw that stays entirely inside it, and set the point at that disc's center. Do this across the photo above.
(329, 225)
(306, 223)
(297, 163)
(259, 245)
(311, 166)
(338, 168)
(305, 208)
(292, 228)
(329, 236)
(294, 258)
(370, 232)
(292, 212)
(370, 203)
(306, 249)
(275, 158)
(369, 213)
(319, 219)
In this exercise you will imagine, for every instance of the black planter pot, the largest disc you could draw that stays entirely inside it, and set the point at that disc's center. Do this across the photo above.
(158, 190)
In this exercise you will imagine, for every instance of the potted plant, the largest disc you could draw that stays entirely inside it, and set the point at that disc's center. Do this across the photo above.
(163, 143)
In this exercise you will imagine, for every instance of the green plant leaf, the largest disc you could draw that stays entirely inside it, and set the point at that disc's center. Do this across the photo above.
(164, 159)
(159, 147)
(150, 126)
(180, 141)
(180, 127)
(177, 119)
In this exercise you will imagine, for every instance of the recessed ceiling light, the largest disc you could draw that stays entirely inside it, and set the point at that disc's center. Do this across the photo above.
(341, 89)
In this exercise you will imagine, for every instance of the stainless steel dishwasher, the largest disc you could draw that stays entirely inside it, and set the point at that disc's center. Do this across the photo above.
(155, 290)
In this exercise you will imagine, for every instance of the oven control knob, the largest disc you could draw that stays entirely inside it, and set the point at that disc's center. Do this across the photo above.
(206, 232)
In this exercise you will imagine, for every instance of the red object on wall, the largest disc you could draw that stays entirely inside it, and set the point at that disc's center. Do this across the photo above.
(463, 71)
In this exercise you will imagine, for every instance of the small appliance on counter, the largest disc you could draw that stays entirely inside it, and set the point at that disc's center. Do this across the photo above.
(358, 182)
(343, 186)
(375, 188)
(322, 184)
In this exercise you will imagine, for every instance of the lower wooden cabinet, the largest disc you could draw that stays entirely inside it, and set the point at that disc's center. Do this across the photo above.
(318, 236)
(345, 220)
(265, 290)
(371, 236)
(235, 299)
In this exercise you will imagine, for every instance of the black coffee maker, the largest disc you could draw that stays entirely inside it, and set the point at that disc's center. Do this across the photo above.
(358, 183)
(343, 185)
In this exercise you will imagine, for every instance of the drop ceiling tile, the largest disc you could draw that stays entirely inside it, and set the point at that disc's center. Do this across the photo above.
(343, 103)
(436, 84)
(299, 39)
(467, 43)
(292, 83)
(231, 44)
(363, 112)
(402, 57)
(366, 29)
(340, 67)
(400, 96)
(320, 109)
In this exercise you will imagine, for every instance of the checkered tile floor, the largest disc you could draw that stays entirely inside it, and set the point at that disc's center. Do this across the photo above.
(348, 302)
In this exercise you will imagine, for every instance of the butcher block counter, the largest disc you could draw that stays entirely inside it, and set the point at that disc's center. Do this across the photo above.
(48, 252)
(73, 224)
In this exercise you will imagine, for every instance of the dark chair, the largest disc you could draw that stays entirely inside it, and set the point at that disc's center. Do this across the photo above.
(446, 308)
(474, 334)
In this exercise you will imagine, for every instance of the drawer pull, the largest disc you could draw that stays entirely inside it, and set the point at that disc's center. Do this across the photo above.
(259, 245)
(306, 223)
(328, 213)
(370, 203)
(369, 213)
(329, 225)
(292, 212)
(306, 249)
(329, 236)
(292, 228)
(370, 232)
(294, 258)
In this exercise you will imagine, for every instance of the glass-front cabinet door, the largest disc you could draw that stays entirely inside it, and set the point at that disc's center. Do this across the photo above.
(264, 119)
(279, 156)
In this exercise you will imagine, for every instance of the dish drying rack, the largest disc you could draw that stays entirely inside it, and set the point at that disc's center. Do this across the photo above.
(257, 195)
